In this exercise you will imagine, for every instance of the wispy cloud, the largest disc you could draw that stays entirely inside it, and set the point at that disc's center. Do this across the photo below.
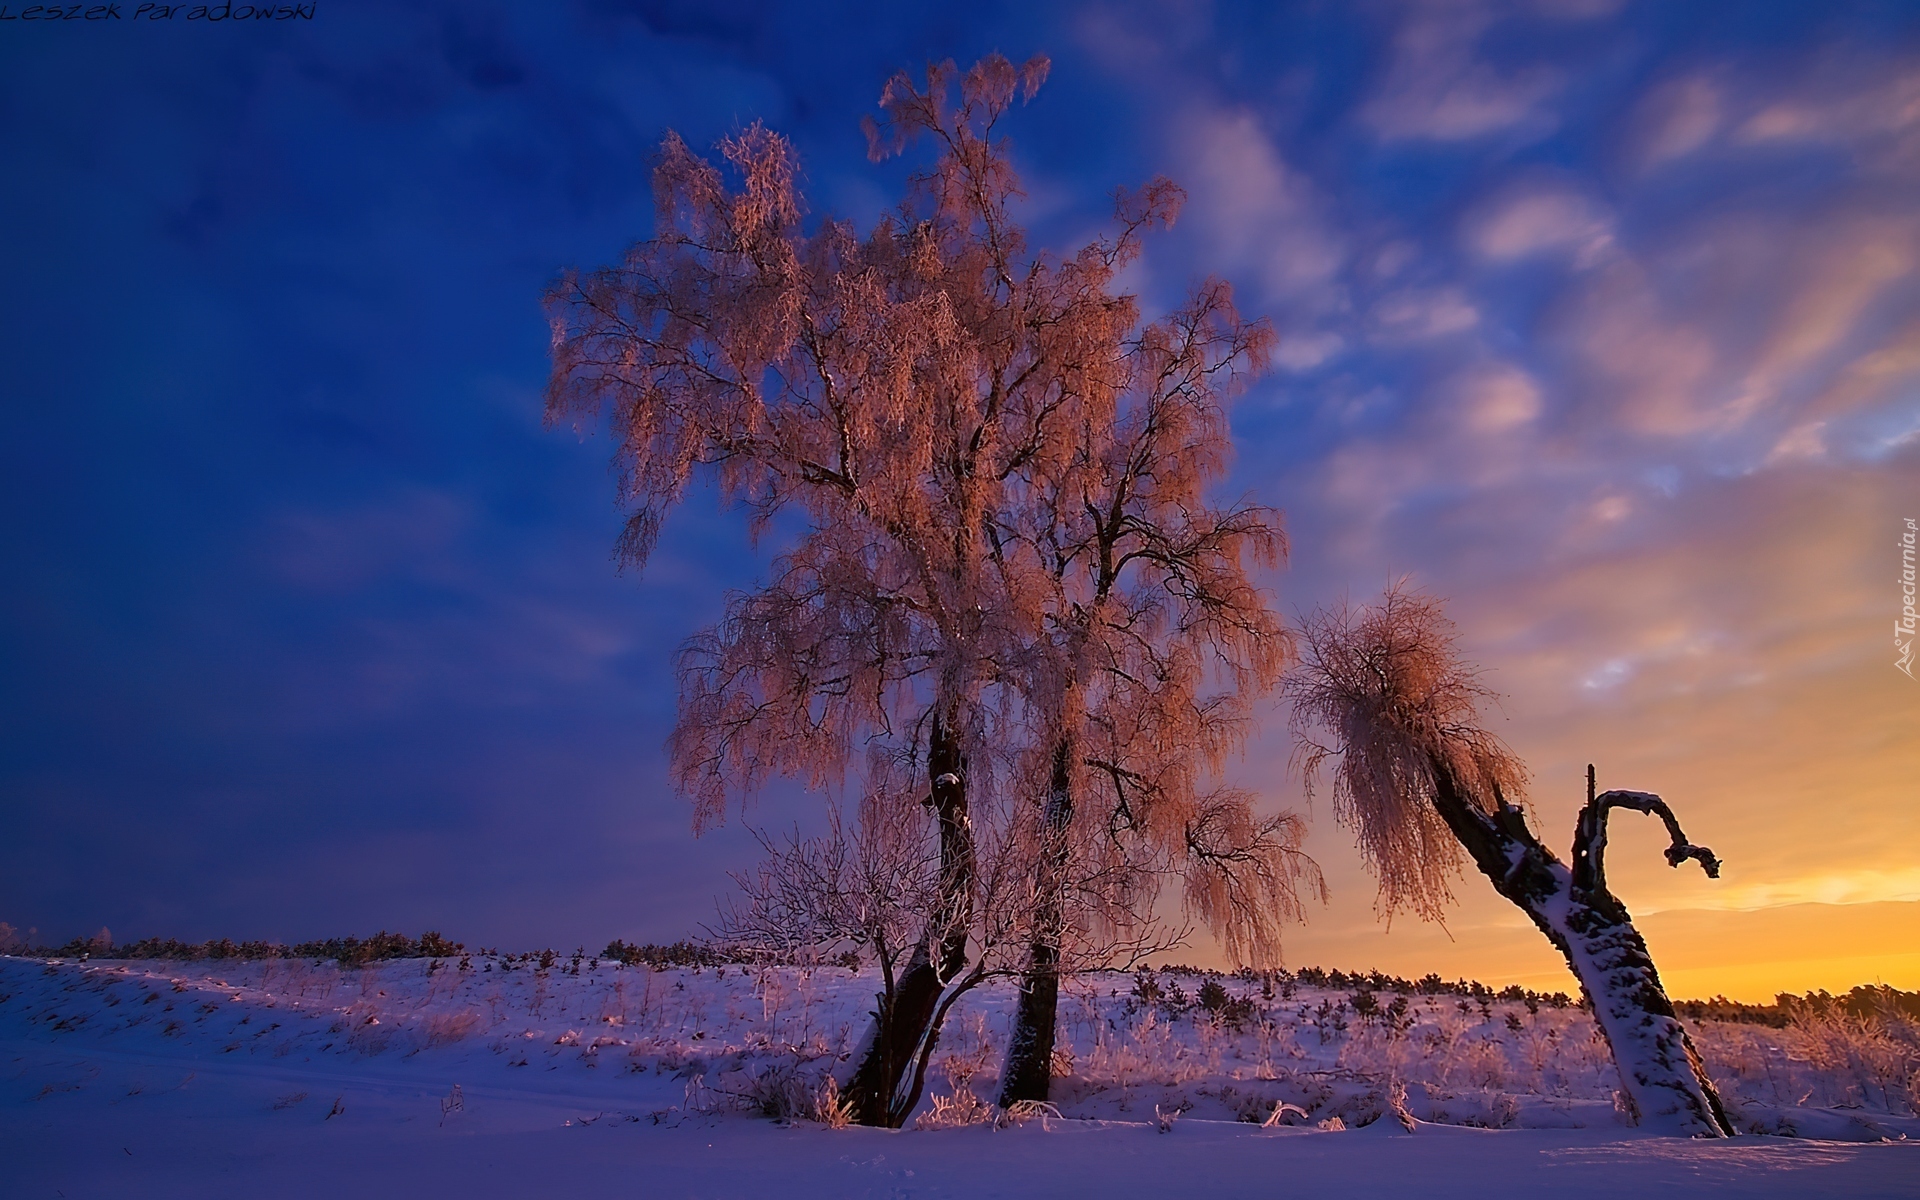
(1416, 315)
(1641, 363)
(1497, 398)
(1437, 86)
(1531, 220)
(1262, 216)
(1865, 886)
(1675, 118)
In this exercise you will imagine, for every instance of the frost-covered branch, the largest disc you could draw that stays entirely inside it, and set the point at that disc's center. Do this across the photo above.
(1590, 836)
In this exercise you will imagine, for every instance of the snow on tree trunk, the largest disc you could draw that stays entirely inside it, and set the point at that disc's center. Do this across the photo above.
(1029, 1070)
(905, 1028)
(1663, 1079)
(887, 1050)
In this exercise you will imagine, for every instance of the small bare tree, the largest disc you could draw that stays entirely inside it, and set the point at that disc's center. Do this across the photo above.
(1381, 694)
(866, 890)
(869, 888)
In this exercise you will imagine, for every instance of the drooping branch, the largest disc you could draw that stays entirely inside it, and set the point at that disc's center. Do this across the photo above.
(1590, 836)
(1418, 774)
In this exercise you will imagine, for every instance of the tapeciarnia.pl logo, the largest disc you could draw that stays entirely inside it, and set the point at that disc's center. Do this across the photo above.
(1903, 629)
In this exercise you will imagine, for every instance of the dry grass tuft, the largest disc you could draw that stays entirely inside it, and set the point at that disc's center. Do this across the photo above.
(447, 1028)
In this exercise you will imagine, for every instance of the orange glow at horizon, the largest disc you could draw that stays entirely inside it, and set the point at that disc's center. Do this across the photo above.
(1750, 956)
(1730, 653)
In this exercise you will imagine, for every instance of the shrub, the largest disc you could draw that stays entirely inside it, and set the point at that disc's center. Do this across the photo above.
(1212, 996)
(678, 954)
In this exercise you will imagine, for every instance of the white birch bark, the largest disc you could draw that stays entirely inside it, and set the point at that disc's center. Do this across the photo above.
(1662, 1076)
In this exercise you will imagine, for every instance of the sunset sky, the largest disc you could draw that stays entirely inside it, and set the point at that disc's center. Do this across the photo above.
(1601, 319)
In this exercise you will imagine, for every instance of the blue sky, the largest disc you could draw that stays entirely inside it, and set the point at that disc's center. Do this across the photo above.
(1600, 318)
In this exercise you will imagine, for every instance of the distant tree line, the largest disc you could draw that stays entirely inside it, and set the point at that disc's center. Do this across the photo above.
(702, 954)
(1863, 1000)
(347, 951)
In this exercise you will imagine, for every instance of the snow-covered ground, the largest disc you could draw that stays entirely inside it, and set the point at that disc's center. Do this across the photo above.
(290, 1078)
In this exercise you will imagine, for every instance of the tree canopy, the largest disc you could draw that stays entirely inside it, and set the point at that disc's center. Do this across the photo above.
(1010, 581)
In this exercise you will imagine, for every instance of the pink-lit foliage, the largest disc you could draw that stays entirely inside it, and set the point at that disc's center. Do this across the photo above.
(1009, 585)
(1381, 697)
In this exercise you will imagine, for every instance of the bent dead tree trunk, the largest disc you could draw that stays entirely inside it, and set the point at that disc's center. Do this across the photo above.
(1664, 1079)
(1029, 1071)
(878, 1092)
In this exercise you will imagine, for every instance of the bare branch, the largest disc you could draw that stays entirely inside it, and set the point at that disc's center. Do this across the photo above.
(1590, 836)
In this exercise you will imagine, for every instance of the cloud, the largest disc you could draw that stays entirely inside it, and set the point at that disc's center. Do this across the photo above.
(1863, 886)
(1394, 257)
(1578, 10)
(1837, 101)
(1254, 207)
(1412, 315)
(1719, 647)
(1676, 118)
(1867, 101)
(1754, 322)
(1475, 433)
(1437, 89)
(1498, 398)
(1645, 369)
(1305, 351)
(1874, 377)
(1559, 448)
(1803, 441)
(1838, 273)
(1637, 463)
(1535, 220)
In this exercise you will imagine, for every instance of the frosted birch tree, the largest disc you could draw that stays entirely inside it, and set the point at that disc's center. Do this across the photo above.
(1156, 643)
(1380, 696)
(897, 392)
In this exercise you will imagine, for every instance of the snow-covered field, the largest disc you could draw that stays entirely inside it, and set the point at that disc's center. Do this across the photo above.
(290, 1078)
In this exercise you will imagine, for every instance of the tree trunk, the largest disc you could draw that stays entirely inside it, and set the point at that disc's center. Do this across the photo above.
(876, 1092)
(1029, 1070)
(1663, 1078)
